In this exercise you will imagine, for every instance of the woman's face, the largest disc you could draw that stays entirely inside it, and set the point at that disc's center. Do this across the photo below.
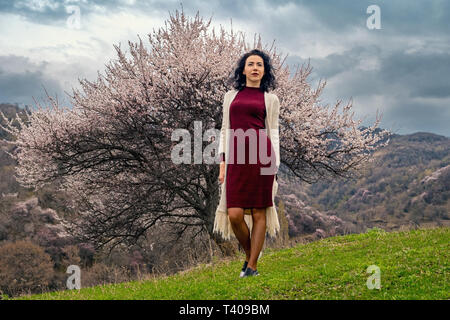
(254, 70)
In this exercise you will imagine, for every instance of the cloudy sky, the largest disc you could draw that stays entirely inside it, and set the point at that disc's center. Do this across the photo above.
(402, 68)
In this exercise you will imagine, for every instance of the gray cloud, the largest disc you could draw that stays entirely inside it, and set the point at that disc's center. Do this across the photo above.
(397, 17)
(404, 67)
(411, 116)
(55, 12)
(400, 16)
(415, 85)
(418, 74)
(22, 80)
(425, 75)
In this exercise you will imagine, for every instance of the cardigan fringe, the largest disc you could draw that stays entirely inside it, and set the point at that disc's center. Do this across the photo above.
(222, 222)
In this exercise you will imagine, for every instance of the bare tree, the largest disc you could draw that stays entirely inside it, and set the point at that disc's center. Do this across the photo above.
(112, 151)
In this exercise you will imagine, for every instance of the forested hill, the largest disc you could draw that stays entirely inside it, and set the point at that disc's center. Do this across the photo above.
(408, 184)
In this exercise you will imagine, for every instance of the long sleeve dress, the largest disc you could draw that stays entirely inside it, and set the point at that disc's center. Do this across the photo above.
(246, 186)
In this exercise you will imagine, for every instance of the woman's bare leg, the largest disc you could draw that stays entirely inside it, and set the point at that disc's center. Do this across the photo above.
(240, 229)
(258, 235)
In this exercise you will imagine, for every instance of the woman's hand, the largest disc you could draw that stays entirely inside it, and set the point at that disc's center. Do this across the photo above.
(222, 172)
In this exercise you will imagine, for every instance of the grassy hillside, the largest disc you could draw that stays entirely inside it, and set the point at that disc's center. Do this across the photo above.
(414, 264)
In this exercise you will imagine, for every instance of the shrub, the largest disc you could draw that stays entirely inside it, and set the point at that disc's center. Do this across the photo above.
(101, 273)
(24, 268)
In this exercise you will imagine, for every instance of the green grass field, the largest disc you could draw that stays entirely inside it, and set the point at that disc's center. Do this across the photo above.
(413, 265)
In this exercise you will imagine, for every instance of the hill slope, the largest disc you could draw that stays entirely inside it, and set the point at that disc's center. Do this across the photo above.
(413, 264)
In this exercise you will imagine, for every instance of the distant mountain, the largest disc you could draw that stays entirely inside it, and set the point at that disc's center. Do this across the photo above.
(407, 185)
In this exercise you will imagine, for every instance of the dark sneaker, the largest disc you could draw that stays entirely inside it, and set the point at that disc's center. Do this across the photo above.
(244, 267)
(249, 272)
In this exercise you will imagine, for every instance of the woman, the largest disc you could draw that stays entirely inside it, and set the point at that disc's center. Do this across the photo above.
(251, 184)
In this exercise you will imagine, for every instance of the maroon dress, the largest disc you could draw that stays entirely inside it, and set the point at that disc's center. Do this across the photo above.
(246, 187)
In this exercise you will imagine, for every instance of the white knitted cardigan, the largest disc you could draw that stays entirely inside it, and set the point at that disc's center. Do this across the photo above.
(222, 223)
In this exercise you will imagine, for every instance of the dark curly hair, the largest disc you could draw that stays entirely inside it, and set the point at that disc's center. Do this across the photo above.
(238, 80)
